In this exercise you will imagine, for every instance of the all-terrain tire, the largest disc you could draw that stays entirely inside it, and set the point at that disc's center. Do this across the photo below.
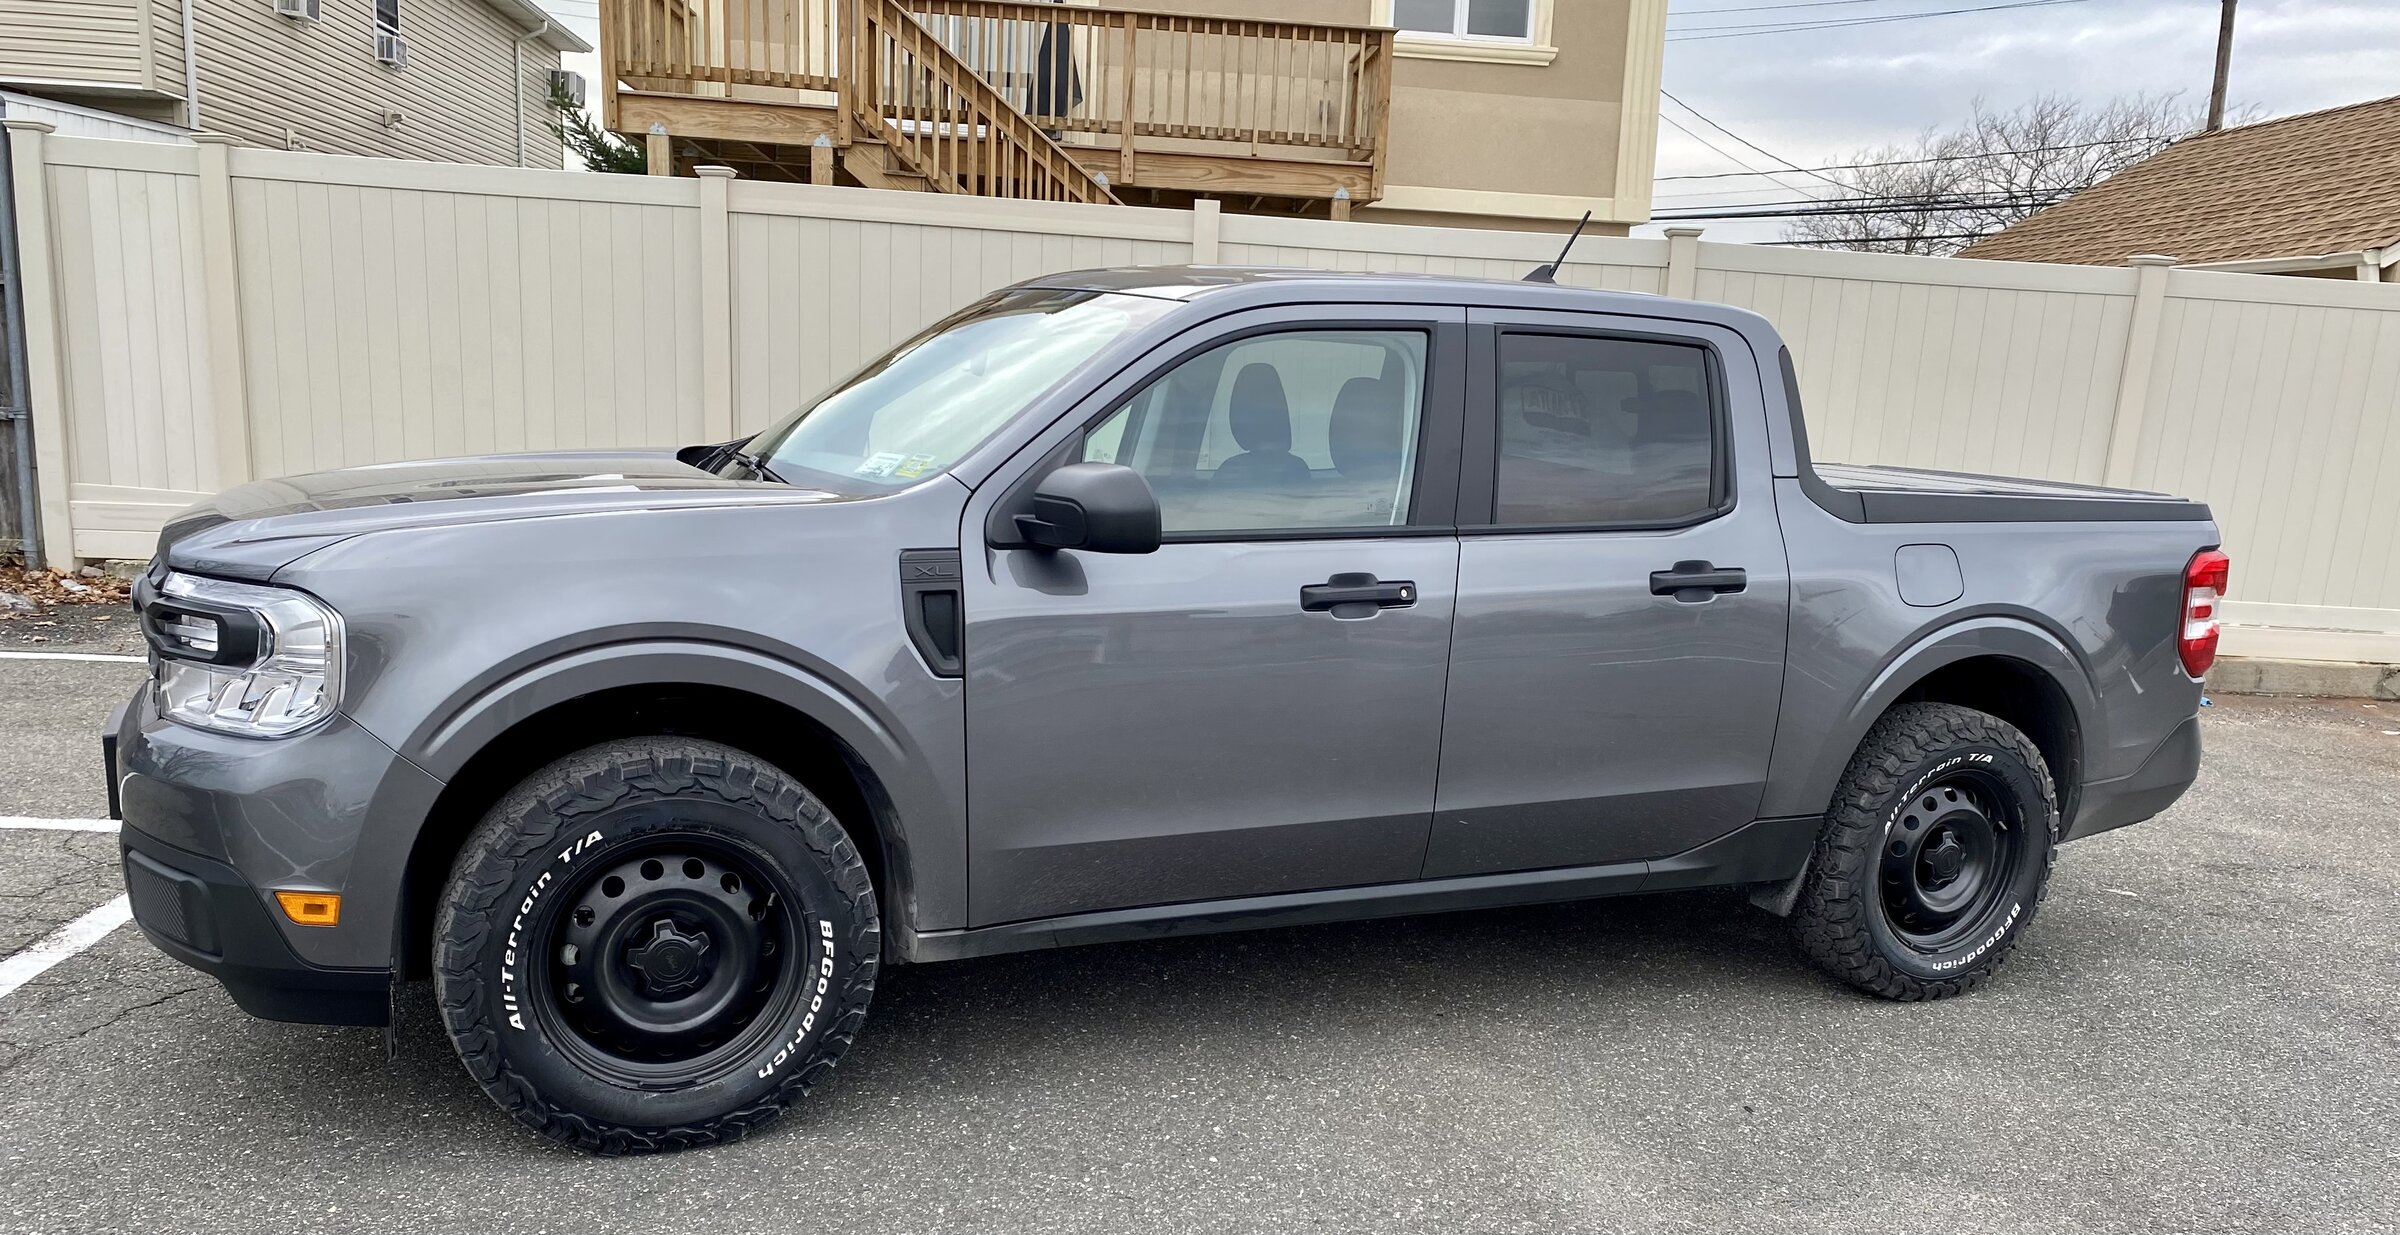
(497, 967)
(1856, 916)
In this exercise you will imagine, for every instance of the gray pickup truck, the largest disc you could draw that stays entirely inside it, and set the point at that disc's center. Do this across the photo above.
(1119, 605)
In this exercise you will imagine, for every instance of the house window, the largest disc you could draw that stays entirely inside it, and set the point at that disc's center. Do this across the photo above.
(387, 15)
(1511, 20)
(1493, 31)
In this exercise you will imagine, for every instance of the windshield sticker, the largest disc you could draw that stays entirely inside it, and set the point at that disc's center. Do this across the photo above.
(880, 463)
(913, 467)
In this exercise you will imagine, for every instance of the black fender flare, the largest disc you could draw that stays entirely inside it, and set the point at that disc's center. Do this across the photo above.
(1991, 635)
(918, 815)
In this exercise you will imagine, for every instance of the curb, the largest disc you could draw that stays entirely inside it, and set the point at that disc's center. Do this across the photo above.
(2245, 675)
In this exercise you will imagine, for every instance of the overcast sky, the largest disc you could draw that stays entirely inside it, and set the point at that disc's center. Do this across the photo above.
(1816, 97)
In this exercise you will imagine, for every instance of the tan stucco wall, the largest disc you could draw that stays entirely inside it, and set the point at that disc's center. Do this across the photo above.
(1543, 129)
(1517, 128)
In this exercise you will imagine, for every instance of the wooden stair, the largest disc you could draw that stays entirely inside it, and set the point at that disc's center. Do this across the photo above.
(876, 165)
(924, 115)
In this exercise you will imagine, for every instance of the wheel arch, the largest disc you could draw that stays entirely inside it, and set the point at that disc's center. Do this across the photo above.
(775, 711)
(2012, 669)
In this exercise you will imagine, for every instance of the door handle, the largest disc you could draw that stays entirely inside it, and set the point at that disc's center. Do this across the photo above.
(1694, 582)
(1357, 594)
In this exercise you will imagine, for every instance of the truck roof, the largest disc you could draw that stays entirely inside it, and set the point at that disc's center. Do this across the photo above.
(1297, 284)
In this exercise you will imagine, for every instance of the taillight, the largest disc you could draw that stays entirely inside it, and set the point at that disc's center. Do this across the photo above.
(2203, 586)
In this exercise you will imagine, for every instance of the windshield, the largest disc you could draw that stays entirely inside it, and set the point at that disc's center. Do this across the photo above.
(929, 401)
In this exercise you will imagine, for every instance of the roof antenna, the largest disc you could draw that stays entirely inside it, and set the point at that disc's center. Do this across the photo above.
(1549, 273)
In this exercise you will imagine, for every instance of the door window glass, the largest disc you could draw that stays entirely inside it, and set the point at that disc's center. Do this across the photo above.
(1307, 429)
(1599, 430)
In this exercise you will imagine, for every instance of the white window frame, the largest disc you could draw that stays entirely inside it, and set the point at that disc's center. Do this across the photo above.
(1536, 48)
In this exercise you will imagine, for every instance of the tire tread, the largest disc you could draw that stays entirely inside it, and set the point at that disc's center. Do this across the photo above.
(528, 820)
(1830, 919)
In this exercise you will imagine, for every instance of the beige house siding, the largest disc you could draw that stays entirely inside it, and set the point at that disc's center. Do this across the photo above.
(272, 81)
(99, 42)
(166, 45)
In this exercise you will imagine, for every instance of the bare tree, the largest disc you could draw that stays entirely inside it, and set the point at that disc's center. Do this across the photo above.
(1949, 187)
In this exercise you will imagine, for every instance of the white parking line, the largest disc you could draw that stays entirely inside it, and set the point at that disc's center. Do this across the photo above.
(27, 823)
(62, 943)
(101, 656)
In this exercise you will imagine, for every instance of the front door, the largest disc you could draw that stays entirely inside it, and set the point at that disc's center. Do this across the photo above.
(1619, 650)
(1257, 706)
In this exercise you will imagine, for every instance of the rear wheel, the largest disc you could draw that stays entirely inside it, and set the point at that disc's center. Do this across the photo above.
(655, 943)
(1934, 857)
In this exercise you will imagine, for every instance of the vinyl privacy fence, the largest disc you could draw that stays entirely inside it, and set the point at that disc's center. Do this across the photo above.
(202, 315)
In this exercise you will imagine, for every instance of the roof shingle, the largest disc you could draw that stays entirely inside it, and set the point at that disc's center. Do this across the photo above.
(2325, 182)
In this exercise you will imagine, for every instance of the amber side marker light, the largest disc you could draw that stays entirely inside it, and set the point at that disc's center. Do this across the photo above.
(311, 908)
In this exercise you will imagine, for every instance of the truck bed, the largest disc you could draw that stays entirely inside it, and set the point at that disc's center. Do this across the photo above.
(1864, 494)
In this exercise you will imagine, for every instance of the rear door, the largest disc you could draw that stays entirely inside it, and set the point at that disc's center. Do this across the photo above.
(1256, 707)
(1617, 658)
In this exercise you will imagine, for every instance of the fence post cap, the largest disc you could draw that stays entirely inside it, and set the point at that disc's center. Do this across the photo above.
(1685, 231)
(712, 169)
(2150, 259)
(28, 125)
(215, 139)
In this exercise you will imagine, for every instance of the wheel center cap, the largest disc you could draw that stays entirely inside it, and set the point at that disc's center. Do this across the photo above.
(669, 961)
(1944, 859)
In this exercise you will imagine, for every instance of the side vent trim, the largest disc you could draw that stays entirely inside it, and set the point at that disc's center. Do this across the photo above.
(933, 608)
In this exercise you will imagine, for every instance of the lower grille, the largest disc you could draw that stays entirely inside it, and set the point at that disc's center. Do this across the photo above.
(168, 902)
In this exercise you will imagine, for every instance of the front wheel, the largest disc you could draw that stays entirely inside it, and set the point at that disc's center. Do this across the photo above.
(1934, 856)
(653, 944)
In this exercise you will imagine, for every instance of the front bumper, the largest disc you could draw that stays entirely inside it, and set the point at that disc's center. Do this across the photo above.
(206, 915)
(214, 825)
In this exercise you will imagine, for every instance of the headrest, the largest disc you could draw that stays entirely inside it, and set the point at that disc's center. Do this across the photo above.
(1366, 432)
(1262, 419)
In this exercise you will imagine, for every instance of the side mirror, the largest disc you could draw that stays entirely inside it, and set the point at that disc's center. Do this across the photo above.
(1100, 507)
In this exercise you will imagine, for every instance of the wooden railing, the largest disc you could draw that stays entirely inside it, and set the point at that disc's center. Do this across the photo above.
(950, 125)
(1020, 77)
(1131, 73)
(676, 44)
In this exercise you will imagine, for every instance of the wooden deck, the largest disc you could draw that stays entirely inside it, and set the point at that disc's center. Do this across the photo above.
(1006, 99)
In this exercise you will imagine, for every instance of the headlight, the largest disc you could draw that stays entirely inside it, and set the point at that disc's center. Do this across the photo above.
(237, 658)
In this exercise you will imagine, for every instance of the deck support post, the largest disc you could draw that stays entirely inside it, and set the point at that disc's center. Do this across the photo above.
(659, 152)
(820, 161)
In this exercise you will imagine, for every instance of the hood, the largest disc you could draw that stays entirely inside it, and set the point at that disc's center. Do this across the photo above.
(252, 530)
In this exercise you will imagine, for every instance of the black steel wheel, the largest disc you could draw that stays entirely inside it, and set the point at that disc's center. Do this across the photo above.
(655, 943)
(673, 955)
(1934, 856)
(1949, 865)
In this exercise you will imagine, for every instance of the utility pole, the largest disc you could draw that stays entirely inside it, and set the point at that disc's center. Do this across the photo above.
(2216, 93)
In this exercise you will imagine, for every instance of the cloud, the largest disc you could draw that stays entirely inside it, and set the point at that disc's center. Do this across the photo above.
(1818, 96)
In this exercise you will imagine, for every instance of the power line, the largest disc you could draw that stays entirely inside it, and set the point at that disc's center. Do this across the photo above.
(1720, 153)
(1845, 208)
(1763, 8)
(1944, 158)
(1694, 34)
(1771, 155)
(1849, 241)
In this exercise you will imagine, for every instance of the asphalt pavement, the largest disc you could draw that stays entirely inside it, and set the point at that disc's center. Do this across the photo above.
(2201, 1033)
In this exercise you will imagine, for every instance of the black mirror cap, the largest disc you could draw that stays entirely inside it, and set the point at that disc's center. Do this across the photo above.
(1099, 507)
